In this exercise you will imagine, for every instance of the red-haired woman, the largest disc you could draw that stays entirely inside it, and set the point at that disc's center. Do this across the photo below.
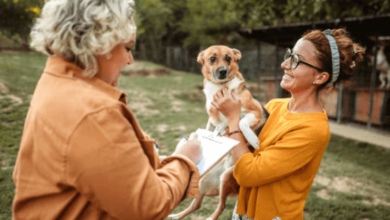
(276, 179)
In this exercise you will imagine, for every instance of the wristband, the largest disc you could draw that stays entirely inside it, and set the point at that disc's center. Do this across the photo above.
(233, 132)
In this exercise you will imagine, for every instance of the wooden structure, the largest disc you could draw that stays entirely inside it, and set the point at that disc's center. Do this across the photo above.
(361, 102)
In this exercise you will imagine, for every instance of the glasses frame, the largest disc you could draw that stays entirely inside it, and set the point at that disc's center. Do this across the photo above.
(298, 60)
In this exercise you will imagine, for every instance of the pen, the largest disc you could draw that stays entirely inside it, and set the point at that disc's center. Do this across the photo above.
(185, 137)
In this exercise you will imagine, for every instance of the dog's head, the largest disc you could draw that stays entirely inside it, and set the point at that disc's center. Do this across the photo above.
(219, 63)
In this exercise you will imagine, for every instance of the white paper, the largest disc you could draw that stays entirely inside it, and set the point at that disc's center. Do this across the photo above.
(214, 149)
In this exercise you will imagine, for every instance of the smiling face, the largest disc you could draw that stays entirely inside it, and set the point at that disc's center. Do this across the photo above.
(219, 63)
(301, 78)
(110, 66)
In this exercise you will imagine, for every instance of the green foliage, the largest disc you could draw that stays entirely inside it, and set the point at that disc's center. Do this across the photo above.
(17, 16)
(208, 21)
(152, 16)
(304, 10)
(205, 22)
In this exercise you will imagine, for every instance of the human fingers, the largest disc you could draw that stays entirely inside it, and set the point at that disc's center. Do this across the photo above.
(235, 96)
(218, 94)
(193, 136)
(192, 150)
(225, 92)
(215, 104)
(217, 98)
(193, 142)
(181, 143)
(162, 157)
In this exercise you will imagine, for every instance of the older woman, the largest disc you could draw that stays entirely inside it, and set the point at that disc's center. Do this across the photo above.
(83, 155)
(276, 179)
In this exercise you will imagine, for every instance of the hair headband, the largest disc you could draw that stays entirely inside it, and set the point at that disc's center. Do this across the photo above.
(335, 56)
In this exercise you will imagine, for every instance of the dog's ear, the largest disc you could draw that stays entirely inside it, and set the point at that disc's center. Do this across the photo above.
(200, 58)
(237, 55)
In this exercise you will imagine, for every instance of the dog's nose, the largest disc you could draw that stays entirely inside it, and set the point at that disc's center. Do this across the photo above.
(222, 73)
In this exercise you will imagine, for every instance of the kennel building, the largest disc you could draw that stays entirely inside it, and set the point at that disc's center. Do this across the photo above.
(362, 101)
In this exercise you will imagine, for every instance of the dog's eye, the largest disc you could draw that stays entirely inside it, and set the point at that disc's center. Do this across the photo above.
(212, 59)
(228, 59)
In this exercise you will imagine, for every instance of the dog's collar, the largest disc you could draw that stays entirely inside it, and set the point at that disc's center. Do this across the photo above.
(224, 82)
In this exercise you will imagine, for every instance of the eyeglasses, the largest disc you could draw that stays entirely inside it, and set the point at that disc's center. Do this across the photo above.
(295, 60)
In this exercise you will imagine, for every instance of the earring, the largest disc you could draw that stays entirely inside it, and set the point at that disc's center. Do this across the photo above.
(314, 82)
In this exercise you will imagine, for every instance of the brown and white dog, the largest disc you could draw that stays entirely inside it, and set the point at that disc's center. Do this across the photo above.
(383, 67)
(220, 69)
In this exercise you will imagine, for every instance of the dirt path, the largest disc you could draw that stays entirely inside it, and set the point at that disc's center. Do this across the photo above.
(361, 134)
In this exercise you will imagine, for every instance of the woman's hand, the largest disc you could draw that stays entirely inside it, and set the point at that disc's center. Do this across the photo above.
(228, 105)
(190, 149)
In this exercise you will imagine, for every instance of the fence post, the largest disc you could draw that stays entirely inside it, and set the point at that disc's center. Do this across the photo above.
(277, 90)
(372, 84)
(186, 58)
(339, 103)
(168, 51)
(258, 72)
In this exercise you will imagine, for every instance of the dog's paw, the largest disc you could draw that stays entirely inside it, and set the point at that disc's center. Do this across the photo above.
(172, 217)
(249, 135)
(209, 219)
(254, 142)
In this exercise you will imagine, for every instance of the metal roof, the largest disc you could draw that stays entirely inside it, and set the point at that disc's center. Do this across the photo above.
(287, 34)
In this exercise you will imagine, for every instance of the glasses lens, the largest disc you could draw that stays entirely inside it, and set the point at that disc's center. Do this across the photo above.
(294, 61)
(287, 54)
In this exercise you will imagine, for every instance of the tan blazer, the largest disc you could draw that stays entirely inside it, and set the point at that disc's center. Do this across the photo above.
(83, 155)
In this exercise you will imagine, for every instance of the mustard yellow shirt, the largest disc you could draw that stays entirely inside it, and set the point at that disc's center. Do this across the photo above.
(276, 179)
(83, 155)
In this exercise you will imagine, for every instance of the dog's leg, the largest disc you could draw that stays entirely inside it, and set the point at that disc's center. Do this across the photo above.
(245, 126)
(195, 205)
(229, 186)
(210, 126)
(382, 78)
(388, 79)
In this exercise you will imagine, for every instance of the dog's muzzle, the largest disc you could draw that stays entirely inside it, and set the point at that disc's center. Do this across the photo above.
(221, 73)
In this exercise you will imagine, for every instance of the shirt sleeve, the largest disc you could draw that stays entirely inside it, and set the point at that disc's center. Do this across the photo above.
(295, 149)
(106, 163)
(272, 104)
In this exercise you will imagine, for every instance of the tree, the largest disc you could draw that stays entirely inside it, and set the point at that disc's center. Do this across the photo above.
(199, 23)
(17, 16)
(304, 10)
(152, 17)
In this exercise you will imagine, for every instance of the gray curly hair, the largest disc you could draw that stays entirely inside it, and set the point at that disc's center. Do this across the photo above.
(79, 30)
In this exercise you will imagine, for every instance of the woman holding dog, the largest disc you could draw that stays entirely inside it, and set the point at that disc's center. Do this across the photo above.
(275, 180)
(83, 154)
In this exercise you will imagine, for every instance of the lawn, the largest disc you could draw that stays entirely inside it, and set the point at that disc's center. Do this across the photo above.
(353, 181)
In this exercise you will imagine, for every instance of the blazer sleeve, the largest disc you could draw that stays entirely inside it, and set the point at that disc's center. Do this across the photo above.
(296, 149)
(106, 163)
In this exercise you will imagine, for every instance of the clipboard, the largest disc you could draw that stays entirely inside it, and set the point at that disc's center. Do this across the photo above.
(214, 149)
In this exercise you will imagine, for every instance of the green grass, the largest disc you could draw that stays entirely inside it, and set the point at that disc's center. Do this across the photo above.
(19, 72)
(6, 195)
(170, 105)
(365, 164)
(177, 106)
